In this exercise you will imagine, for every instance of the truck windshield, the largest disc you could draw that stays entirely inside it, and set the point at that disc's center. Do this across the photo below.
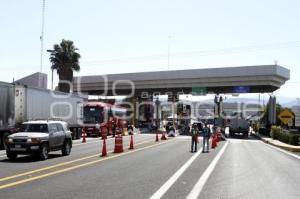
(93, 114)
(34, 128)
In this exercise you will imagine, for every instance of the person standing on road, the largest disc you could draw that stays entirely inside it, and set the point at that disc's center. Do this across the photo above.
(114, 126)
(206, 135)
(194, 134)
(130, 129)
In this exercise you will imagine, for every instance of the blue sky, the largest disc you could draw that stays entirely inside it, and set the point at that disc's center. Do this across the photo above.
(119, 36)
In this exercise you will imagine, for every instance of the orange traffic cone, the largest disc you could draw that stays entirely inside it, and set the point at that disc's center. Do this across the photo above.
(131, 142)
(163, 137)
(156, 140)
(83, 136)
(213, 142)
(104, 151)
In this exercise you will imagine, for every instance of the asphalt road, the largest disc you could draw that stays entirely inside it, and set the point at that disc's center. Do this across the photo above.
(237, 168)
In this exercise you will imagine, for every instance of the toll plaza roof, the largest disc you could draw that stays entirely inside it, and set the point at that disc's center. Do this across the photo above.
(244, 79)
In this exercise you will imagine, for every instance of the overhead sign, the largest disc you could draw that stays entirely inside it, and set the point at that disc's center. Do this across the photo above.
(285, 116)
(199, 90)
(241, 89)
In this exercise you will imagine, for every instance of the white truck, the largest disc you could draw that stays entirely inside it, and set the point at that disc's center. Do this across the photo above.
(19, 103)
(238, 124)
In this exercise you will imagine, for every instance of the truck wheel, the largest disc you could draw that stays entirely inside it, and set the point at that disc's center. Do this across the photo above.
(44, 151)
(11, 155)
(66, 149)
(78, 133)
(73, 133)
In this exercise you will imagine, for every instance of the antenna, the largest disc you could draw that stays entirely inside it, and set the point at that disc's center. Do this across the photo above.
(169, 49)
(42, 35)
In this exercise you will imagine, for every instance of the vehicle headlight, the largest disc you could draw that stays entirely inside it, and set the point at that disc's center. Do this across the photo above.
(34, 140)
(9, 140)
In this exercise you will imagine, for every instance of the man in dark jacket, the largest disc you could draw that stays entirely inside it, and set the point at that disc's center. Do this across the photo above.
(206, 135)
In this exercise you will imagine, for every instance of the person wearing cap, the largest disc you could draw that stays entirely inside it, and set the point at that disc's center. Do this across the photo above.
(194, 134)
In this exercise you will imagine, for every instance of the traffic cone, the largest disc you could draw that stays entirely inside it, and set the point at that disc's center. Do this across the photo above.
(213, 142)
(83, 136)
(104, 151)
(131, 142)
(163, 137)
(156, 140)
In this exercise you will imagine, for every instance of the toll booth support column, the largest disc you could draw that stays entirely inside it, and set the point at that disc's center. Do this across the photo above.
(174, 111)
(157, 104)
(133, 119)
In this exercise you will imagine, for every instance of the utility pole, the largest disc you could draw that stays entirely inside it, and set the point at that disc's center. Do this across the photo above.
(42, 36)
(169, 50)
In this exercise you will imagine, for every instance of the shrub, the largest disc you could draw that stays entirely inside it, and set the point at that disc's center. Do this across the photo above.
(275, 132)
(264, 131)
(284, 137)
(294, 139)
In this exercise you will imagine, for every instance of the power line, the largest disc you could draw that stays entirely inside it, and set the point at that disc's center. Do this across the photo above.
(231, 50)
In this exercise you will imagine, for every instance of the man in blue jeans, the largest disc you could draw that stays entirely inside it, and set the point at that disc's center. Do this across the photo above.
(206, 135)
(194, 134)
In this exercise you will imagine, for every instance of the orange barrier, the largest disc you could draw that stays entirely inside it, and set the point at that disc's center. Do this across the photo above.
(118, 144)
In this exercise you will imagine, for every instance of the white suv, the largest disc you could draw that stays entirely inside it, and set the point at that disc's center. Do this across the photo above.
(39, 138)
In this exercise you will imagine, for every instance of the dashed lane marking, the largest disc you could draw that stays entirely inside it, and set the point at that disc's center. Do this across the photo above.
(203, 179)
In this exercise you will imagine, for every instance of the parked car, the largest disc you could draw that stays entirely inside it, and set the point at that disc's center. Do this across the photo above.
(39, 138)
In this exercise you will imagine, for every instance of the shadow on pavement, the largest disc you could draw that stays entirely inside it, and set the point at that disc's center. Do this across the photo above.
(241, 137)
(29, 159)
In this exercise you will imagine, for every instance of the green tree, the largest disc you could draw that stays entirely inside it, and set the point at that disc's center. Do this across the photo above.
(65, 59)
(265, 117)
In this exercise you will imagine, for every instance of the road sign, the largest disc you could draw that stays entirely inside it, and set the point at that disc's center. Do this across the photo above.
(285, 116)
(241, 89)
(199, 90)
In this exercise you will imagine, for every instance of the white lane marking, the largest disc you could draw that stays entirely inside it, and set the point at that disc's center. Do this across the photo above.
(165, 187)
(283, 151)
(203, 179)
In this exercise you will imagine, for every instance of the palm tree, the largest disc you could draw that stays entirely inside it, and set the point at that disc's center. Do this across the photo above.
(65, 59)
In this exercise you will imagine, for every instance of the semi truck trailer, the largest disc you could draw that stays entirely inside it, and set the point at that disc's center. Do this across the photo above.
(19, 103)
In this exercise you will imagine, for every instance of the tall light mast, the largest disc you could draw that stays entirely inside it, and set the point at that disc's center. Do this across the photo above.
(42, 36)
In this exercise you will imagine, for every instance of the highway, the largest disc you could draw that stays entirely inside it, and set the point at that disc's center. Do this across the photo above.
(237, 168)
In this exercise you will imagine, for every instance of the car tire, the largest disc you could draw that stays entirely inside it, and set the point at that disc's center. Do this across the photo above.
(3, 144)
(11, 155)
(44, 151)
(66, 149)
